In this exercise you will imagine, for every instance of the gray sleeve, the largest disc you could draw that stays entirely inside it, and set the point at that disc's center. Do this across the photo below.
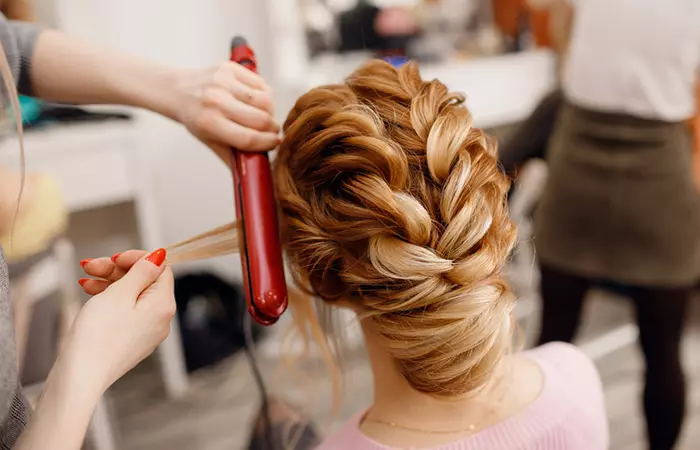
(14, 410)
(18, 39)
(15, 422)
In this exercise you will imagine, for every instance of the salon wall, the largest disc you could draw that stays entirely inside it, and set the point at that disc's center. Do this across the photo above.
(192, 189)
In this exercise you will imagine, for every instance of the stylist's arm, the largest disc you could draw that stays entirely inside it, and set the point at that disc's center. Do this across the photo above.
(113, 332)
(223, 106)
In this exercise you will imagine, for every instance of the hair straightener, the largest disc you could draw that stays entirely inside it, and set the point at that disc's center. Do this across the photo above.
(256, 210)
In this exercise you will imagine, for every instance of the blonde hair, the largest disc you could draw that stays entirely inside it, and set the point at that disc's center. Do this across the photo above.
(393, 202)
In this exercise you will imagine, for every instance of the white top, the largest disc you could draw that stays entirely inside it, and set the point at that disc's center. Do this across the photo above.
(639, 57)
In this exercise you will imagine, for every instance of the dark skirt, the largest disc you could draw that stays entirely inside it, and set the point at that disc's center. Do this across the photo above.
(620, 204)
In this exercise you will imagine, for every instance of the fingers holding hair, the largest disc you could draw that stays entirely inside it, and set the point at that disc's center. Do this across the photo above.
(132, 271)
(135, 271)
(92, 286)
(109, 268)
(128, 258)
(143, 273)
(105, 271)
(152, 299)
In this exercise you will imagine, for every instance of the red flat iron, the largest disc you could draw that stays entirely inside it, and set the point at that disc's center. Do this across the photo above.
(256, 210)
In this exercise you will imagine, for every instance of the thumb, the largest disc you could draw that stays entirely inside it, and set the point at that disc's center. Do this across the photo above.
(144, 273)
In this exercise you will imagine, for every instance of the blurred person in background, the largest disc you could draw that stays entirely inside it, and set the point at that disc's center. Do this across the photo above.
(223, 106)
(620, 206)
(530, 138)
(367, 27)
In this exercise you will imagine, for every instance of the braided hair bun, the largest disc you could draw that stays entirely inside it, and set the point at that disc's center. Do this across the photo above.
(391, 201)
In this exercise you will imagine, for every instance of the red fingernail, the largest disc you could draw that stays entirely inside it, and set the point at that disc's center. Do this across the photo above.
(82, 281)
(85, 261)
(115, 256)
(157, 257)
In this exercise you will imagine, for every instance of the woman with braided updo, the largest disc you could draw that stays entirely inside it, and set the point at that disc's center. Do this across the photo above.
(394, 206)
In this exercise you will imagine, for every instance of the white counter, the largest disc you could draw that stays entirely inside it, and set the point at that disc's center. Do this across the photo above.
(500, 89)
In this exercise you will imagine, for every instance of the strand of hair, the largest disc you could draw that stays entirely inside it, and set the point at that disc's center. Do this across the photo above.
(217, 242)
(213, 232)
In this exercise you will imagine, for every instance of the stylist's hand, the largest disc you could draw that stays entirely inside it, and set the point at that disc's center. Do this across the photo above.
(105, 271)
(121, 326)
(228, 106)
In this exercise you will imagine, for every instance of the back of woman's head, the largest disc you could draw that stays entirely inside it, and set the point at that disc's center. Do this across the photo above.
(393, 203)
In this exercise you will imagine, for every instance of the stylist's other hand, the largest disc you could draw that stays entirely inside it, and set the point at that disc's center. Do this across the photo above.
(105, 271)
(120, 327)
(228, 106)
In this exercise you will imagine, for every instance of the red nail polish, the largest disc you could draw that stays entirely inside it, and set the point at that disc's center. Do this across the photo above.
(157, 257)
(85, 261)
(82, 281)
(115, 256)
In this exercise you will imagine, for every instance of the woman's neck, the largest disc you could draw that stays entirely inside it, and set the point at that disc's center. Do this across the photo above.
(400, 414)
(395, 401)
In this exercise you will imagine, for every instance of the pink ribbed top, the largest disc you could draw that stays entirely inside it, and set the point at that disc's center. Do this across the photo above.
(569, 413)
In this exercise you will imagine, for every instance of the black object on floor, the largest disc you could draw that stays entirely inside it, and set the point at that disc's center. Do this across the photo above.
(210, 316)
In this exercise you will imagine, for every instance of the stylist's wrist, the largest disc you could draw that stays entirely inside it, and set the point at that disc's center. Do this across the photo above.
(62, 415)
(74, 386)
(158, 90)
(174, 92)
(75, 371)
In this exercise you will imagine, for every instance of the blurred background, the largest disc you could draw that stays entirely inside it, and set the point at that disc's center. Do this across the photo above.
(140, 179)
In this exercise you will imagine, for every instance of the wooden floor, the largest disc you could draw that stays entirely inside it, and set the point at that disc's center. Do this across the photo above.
(217, 412)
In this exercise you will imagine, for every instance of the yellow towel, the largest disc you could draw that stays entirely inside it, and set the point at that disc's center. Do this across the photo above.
(42, 217)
